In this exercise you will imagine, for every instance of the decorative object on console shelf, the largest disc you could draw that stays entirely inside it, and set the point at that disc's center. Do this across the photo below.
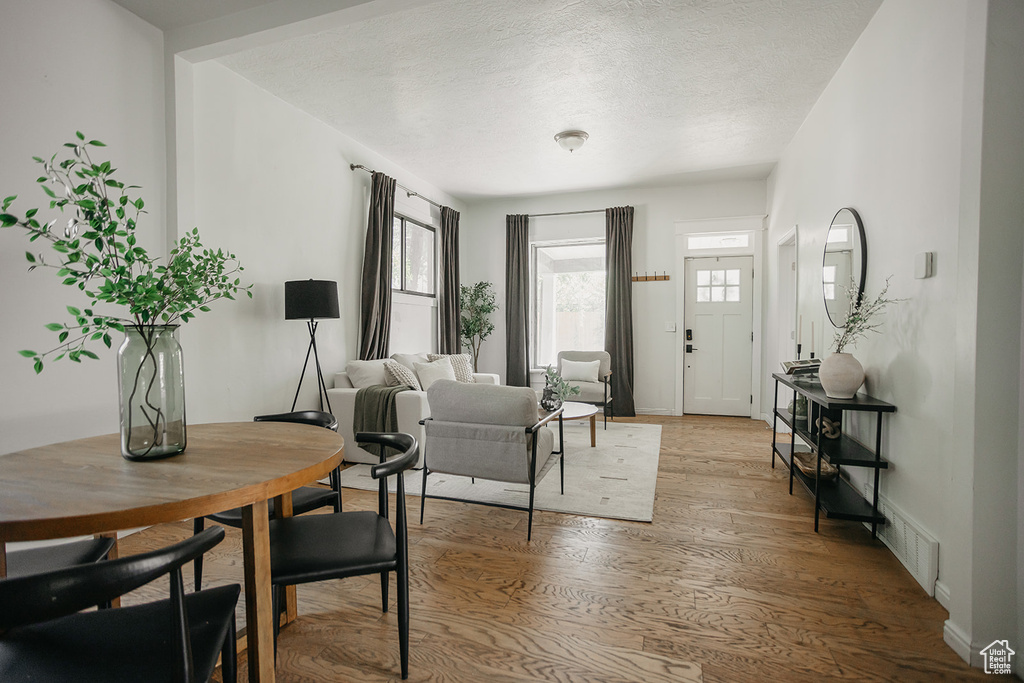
(308, 300)
(556, 390)
(807, 462)
(807, 366)
(841, 374)
(477, 303)
(98, 253)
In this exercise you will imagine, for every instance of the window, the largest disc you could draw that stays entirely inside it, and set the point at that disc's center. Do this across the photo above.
(721, 240)
(568, 299)
(715, 286)
(413, 252)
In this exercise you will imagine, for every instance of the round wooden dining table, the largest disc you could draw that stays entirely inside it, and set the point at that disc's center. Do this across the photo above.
(85, 487)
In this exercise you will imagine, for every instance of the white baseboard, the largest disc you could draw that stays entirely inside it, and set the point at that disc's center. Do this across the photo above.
(654, 411)
(957, 639)
(942, 594)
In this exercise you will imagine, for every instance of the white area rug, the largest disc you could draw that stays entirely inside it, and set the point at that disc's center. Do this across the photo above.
(614, 480)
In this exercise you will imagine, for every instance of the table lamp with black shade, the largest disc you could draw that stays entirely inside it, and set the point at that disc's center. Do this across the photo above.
(308, 300)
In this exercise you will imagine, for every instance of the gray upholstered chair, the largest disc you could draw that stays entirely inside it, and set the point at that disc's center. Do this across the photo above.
(487, 431)
(597, 392)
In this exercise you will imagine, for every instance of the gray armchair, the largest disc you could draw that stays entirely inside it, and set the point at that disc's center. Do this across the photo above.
(599, 392)
(489, 432)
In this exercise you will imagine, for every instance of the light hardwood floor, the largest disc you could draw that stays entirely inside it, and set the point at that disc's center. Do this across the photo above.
(729, 583)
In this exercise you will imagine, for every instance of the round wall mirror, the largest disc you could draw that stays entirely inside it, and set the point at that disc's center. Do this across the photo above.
(843, 265)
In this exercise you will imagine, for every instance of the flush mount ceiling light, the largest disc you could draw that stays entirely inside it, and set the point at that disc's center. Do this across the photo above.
(571, 140)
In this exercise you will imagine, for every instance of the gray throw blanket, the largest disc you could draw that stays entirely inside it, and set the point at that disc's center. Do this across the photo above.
(375, 411)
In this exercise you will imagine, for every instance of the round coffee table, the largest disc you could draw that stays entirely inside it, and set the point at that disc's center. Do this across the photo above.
(571, 410)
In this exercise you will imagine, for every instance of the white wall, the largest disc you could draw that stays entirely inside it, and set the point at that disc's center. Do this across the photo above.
(999, 264)
(897, 135)
(654, 303)
(69, 65)
(273, 185)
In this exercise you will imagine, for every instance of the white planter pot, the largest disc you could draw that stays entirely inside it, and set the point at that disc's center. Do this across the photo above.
(841, 375)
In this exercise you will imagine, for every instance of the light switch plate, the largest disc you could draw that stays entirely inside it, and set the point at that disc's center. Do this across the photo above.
(924, 264)
(670, 327)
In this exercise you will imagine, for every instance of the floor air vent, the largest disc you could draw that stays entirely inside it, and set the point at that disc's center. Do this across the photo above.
(912, 546)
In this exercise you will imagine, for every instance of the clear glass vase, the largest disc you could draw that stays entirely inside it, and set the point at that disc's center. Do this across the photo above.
(151, 384)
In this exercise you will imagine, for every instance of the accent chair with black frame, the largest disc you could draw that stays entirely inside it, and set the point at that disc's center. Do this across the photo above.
(45, 635)
(336, 546)
(304, 499)
(489, 432)
(595, 388)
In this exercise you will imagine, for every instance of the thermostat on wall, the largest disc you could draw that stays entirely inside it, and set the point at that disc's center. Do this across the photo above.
(924, 264)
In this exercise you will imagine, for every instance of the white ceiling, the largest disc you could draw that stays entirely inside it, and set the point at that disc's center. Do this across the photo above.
(172, 14)
(469, 94)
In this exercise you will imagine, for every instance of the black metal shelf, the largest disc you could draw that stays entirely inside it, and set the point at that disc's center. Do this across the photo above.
(842, 451)
(835, 497)
(839, 500)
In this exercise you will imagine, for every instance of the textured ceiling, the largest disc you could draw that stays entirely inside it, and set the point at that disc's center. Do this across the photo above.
(468, 94)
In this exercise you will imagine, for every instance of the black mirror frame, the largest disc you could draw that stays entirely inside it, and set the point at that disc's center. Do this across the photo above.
(863, 258)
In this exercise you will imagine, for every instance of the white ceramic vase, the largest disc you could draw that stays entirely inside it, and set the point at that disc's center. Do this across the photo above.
(841, 375)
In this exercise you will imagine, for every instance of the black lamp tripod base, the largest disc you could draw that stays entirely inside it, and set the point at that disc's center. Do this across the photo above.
(322, 387)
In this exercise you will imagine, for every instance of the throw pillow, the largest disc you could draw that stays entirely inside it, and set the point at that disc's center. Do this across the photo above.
(580, 371)
(398, 375)
(462, 364)
(366, 373)
(428, 373)
(409, 360)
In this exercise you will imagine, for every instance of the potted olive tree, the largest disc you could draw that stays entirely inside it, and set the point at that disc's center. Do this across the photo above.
(94, 249)
(477, 302)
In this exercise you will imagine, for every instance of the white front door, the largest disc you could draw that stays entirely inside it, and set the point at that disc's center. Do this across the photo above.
(718, 341)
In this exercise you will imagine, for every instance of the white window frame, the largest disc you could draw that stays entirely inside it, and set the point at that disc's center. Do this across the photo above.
(403, 289)
(534, 313)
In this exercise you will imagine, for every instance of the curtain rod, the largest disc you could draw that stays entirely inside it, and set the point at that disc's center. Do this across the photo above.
(565, 213)
(408, 192)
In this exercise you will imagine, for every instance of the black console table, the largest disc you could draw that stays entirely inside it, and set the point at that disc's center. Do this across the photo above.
(836, 497)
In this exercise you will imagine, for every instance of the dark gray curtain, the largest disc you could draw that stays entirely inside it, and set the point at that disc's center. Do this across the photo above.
(618, 330)
(375, 301)
(448, 298)
(517, 300)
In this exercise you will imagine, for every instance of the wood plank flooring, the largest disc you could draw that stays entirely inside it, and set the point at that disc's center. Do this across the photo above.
(729, 583)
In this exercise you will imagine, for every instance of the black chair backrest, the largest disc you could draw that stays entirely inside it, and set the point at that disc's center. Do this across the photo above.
(396, 440)
(41, 597)
(317, 418)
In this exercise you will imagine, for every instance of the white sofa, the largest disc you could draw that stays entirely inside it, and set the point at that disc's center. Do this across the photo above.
(411, 407)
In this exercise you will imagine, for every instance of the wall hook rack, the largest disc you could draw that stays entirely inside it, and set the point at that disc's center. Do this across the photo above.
(637, 277)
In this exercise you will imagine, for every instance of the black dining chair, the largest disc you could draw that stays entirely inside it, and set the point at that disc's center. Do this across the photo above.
(304, 499)
(45, 635)
(38, 560)
(343, 544)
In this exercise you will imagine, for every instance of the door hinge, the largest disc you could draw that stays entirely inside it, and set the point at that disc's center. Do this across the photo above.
(751, 399)
(751, 336)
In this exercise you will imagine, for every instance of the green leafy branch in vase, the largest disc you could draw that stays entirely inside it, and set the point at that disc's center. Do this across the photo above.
(561, 389)
(861, 315)
(97, 251)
